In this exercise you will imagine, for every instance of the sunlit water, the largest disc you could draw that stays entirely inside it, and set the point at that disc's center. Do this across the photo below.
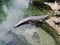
(25, 34)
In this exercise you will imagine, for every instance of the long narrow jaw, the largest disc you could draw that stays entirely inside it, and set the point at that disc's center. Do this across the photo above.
(24, 21)
(20, 23)
(15, 26)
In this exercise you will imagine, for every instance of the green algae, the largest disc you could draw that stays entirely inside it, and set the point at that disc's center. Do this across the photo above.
(36, 9)
(2, 15)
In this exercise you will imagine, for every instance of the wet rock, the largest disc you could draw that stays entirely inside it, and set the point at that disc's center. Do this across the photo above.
(10, 43)
(13, 39)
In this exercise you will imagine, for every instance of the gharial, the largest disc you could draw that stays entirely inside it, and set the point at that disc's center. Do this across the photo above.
(32, 19)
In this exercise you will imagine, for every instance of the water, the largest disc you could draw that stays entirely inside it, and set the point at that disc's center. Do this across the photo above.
(25, 34)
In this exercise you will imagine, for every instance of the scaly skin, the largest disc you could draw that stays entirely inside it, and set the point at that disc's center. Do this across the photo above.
(32, 19)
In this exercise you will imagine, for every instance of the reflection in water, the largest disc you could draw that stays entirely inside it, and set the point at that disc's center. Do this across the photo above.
(24, 34)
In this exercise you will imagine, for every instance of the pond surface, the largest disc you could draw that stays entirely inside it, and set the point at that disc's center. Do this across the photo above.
(10, 14)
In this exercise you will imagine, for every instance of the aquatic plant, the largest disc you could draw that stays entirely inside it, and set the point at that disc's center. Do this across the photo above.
(37, 8)
(2, 13)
